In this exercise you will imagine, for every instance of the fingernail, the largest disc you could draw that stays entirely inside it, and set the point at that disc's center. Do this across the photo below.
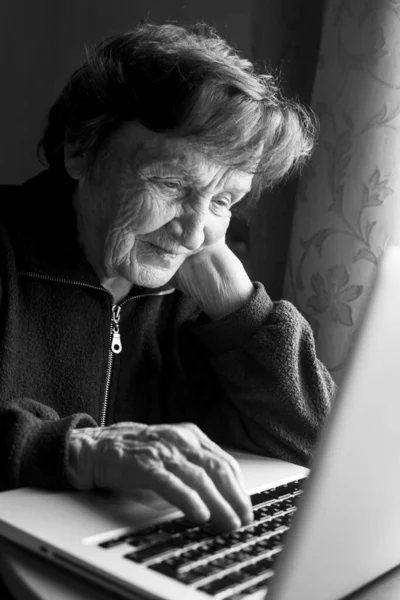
(203, 515)
(237, 523)
(248, 518)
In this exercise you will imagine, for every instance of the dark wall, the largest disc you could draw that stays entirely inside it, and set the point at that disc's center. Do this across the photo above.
(286, 36)
(41, 42)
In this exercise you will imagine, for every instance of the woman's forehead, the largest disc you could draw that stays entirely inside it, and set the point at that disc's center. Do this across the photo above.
(147, 149)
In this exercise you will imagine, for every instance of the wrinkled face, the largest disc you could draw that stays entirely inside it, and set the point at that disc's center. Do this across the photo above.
(151, 203)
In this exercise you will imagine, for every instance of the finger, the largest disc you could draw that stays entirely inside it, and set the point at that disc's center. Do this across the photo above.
(227, 484)
(225, 472)
(176, 492)
(217, 482)
(194, 476)
(208, 443)
(228, 458)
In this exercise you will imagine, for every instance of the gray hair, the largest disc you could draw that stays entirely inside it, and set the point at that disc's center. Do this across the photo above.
(186, 81)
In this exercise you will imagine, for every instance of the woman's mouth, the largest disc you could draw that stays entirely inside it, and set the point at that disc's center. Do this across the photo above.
(162, 252)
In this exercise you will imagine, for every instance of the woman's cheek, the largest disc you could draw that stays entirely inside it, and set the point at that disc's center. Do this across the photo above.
(143, 213)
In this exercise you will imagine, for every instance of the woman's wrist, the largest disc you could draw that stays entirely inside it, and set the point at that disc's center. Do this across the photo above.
(226, 299)
(216, 280)
(79, 458)
(224, 284)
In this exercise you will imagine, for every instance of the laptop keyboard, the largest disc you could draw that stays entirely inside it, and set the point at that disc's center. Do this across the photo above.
(226, 566)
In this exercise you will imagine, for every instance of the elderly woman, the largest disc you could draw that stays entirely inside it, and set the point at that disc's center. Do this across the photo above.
(132, 339)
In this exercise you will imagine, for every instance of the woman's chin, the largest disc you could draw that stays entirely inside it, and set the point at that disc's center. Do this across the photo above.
(152, 277)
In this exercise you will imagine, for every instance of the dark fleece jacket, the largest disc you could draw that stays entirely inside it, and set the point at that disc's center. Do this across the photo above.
(250, 380)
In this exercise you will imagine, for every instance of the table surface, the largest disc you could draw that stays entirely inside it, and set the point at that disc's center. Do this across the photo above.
(30, 577)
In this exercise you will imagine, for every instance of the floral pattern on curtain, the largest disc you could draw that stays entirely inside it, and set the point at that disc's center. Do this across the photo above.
(347, 206)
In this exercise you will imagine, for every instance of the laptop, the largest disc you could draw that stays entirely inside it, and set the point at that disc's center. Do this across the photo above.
(317, 535)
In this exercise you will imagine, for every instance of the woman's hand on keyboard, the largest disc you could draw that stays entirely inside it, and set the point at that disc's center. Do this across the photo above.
(179, 462)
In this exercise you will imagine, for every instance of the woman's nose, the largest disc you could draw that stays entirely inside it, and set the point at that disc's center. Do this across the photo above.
(189, 229)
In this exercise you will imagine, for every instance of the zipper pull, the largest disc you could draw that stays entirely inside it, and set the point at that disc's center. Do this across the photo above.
(116, 345)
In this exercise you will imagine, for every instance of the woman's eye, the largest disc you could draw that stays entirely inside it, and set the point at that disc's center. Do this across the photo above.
(222, 203)
(171, 184)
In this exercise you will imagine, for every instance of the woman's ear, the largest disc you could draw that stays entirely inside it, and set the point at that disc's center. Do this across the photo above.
(75, 160)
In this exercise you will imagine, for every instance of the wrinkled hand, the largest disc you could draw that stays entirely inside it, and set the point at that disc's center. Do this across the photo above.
(216, 279)
(179, 462)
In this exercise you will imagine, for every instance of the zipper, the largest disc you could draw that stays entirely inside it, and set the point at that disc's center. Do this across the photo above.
(115, 337)
(116, 345)
(62, 280)
(115, 348)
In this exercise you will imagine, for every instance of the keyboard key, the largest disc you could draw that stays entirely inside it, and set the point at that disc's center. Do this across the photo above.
(188, 577)
(213, 568)
(257, 567)
(241, 556)
(270, 494)
(284, 520)
(225, 562)
(268, 543)
(164, 569)
(195, 535)
(176, 526)
(294, 486)
(142, 555)
(218, 543)
(258, 498)
(136, 538)
(146, 540)
(191, 577)
(111, 543)
(221, 584)
(147, 531)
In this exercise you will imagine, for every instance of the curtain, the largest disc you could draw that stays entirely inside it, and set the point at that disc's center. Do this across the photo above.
(347, 207)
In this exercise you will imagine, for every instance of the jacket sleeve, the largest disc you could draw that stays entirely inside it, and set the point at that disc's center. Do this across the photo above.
(277, 394)
(33, 438)
(33, 444)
